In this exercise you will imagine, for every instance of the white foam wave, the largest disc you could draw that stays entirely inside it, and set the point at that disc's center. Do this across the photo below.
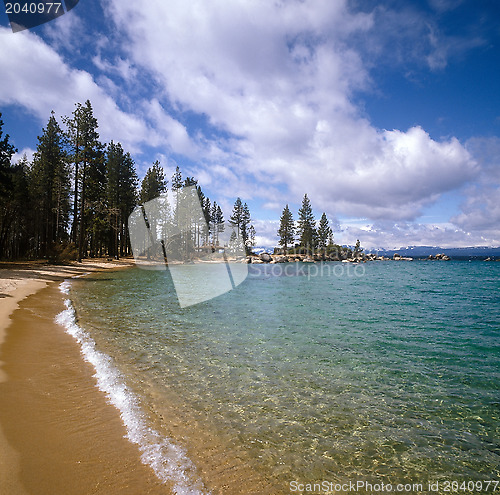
(169, 461)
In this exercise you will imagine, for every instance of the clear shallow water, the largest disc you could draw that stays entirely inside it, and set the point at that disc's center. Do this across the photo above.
(390, 376)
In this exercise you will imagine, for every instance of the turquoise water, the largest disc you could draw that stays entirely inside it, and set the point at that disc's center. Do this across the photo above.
(388, 372)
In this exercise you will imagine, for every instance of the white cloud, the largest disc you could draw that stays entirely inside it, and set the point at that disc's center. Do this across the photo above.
(280, 77)
(35, 77)
(480, 212)
(169, 132)
(20, 154)
(266, 232)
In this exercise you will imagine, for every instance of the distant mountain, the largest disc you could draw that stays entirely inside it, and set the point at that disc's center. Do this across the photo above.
(424, 251)
(261, 249)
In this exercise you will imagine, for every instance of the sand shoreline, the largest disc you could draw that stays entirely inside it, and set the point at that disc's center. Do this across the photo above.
(58, 433)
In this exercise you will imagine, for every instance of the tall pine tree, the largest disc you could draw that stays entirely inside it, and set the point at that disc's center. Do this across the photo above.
(89, 213)
(121, 196)
(7, 203)
(241, 218)
(154, 183)
(306, 226)
(286, 231)
(325, 235)
(50, 185)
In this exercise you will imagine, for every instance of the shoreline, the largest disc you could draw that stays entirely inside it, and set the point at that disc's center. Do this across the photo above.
(70, 408)
(58, 432)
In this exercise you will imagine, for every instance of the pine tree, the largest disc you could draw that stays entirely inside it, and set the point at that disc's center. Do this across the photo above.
(121, 186)
(306, 226)
(154, 183)
(21, 238)
(153, 186)
(89, 178)
(325, 234)
(6, 152)
(50, 184)
(251, 237)
(73, 138)
(286, 231)
(241, 219)
(7, 203)
(237, 214)
(217, 219)
(176, 179)
(207, 213)
(245, 225)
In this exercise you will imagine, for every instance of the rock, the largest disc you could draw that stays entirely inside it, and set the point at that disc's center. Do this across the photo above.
(488, 259)
(442, 256)
(281, 259)
(398, 257)
(308, 260)
(266, 257)
(257, 261)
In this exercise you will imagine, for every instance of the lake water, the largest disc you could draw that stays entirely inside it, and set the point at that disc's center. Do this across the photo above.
(385, 372)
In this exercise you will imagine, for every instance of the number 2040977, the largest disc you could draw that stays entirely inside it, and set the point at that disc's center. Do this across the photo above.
(32, 8)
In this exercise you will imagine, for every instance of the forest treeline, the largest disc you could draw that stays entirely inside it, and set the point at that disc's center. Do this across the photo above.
(73, 199)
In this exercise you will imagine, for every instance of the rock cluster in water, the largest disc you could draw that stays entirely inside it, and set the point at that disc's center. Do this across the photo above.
(343, 257)
(441, 256)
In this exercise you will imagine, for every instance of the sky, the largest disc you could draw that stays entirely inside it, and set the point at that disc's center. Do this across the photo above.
(386, 113)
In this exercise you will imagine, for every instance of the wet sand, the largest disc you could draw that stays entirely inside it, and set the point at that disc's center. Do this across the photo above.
(58, 434)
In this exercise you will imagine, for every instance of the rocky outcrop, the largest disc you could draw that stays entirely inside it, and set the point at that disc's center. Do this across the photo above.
(440, 256)
(398, 257)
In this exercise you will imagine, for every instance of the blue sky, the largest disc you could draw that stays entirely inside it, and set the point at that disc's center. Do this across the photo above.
(387, 114)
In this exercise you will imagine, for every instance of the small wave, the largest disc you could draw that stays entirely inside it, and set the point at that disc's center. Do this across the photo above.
(169, 461)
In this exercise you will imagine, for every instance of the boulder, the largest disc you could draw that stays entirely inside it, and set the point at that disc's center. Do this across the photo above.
(266, 257)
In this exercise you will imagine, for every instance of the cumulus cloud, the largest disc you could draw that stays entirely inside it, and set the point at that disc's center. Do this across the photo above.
(279, 77)
(28, 152)
(480, 212)
(37, 78)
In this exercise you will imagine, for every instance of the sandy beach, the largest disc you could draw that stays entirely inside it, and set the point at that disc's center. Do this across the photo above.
(58, 433)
